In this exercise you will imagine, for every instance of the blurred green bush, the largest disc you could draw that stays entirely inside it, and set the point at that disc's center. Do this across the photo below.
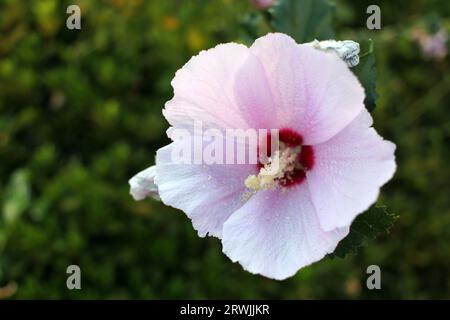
(81, 113)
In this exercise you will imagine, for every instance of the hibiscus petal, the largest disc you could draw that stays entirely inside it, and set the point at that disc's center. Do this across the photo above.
(348, 172)
(277, 232)
(253, 94)
(208, 194)
(316, 92)
(204, 89)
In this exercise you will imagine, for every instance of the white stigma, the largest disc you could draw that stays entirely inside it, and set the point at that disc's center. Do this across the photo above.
(278, 169)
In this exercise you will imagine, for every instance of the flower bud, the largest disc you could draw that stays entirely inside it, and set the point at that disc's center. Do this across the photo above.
(142, 185)
(262, 4)
(347, 50)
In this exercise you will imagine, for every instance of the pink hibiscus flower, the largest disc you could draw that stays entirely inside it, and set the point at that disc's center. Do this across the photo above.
(262, 4)
(331, 162)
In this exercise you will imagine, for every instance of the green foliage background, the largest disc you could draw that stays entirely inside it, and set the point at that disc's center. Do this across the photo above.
(81, 113)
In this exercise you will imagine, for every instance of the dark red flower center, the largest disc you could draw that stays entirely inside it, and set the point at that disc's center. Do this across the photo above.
(303, 161)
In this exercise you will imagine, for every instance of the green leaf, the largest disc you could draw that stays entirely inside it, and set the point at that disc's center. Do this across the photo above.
(253, 25)
(249, 27)
(304, 20)
(366, 73)
(17, 196)
(366, 227)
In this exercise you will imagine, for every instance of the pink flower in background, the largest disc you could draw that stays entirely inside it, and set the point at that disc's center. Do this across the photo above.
(433, 46)
(331, 162)
(262, 4)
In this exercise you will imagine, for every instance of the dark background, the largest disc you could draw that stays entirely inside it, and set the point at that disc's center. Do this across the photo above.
(81, 113)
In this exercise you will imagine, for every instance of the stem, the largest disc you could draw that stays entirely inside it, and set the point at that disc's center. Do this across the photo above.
(369, 51)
